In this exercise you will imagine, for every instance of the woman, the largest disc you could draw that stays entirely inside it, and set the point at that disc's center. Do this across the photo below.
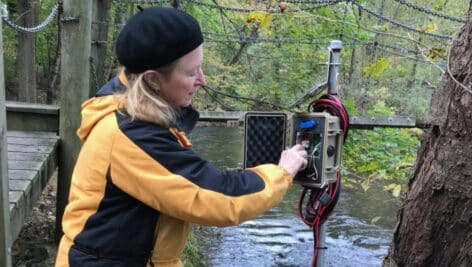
(137, 186)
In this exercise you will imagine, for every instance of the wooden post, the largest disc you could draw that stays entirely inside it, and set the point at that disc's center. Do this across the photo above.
(26, 54)
(99, 44)
(75, 76)
(5, 230)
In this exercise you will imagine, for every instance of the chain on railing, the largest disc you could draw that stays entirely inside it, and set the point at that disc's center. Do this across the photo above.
(34, 29)
(275, 9)
(314, 1)
(398, 24)
(430, 12)
(94, 73)
(244, 39)
(148, 1)
(105, 23)
(258, 40)
(395, 50)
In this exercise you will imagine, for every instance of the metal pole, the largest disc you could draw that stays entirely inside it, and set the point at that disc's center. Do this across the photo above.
(5, 230)
(335, 48)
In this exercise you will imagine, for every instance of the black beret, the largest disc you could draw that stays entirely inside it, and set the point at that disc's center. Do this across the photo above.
(156, 36)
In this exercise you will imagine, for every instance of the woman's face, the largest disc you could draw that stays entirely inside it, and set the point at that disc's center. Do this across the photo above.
(179, 86)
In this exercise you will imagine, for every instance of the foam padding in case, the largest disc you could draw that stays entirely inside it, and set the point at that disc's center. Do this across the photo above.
(264, 138)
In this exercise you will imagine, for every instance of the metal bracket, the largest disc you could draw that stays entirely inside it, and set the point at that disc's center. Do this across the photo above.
(335, 48)
(99, 43)
(70, 19)
(331, 82)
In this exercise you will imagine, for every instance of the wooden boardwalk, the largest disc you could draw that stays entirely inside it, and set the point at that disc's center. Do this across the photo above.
(32, 159)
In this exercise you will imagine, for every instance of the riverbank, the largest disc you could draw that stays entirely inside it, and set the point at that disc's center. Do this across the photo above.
(35, 245)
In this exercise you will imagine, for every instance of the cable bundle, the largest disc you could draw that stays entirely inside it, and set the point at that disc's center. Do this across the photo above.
(321, 201)
(333, 105)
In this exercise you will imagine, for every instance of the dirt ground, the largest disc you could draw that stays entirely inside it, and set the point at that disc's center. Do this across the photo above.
(35, 246)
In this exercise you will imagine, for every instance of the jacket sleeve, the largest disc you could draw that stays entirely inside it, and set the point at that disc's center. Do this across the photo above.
(152, 167)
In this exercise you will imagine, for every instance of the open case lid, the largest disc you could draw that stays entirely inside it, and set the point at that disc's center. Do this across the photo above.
(264, 137)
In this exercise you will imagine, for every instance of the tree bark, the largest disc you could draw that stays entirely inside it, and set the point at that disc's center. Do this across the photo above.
(26, 56)
(435, 221)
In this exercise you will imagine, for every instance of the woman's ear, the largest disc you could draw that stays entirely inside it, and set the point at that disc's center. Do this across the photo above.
(151, 78)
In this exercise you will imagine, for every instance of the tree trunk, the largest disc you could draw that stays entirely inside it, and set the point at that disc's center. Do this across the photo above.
(435, 221)
(26, 57)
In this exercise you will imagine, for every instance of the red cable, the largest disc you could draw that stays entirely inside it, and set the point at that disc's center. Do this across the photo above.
(318, 215)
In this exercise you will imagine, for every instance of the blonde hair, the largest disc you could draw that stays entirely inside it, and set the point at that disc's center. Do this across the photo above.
(142, 102)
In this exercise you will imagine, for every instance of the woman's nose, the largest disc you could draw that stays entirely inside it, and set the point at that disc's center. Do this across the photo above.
(201, 78)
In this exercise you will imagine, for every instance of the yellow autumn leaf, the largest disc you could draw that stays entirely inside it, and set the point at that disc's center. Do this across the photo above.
(263, 19)
(385, 28)
(412, 132)
(256, 17)
(431, 27)
(436, 52)
(376, 68)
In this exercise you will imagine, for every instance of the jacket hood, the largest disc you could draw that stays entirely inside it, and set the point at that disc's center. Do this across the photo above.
(105, 102)
(96, 108)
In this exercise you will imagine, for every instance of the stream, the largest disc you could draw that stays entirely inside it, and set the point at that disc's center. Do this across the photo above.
(279, 237)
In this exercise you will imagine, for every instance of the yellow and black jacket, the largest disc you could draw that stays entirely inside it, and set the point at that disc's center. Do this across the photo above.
(137, 187)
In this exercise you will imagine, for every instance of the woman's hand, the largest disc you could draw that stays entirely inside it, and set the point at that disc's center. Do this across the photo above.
(293, 159)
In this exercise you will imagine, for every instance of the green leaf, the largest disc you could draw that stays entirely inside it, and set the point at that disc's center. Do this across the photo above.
(390, 187)
(365, 185)
(375, 219)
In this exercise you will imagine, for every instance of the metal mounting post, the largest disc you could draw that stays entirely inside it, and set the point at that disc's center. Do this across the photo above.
(335, 48)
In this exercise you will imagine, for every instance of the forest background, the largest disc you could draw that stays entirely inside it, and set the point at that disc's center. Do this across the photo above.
(263, 55)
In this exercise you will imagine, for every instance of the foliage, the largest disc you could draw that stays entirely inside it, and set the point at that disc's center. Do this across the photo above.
(381, 154)
(46, 48)
(191, 256)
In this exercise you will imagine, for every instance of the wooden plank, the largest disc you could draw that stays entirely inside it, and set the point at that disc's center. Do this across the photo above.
(25, 156)
(221, 115)
(30, 188)
(20, 185)
(25, 165)
(5, 227)
(17, 210)
(31, 134)
(15, 197)
(22, 121)
(42, 141)
(31, 161)
(18, 213)
(31, 107)
(381, 121)
(30, 149)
